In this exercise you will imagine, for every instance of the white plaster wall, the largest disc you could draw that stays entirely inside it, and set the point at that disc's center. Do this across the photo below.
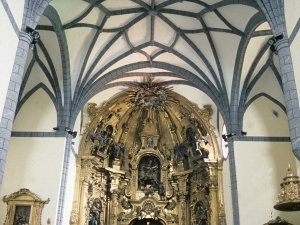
(260, 168)
(292, 9)
(17, 8)
(259, 119)
(227, 192)
(273, 88)
(37, 114)
(8, 48)
(36, 164)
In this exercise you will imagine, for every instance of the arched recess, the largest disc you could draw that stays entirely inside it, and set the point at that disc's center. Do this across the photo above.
(263, 117)
(31, 116)
(145, 221)
(149, 153)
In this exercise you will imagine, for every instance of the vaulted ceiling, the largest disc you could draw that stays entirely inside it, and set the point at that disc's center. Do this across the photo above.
(211, 51)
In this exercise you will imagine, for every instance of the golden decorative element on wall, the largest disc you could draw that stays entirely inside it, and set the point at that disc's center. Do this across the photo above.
(289, 196)
(278, 221)
(24, 207)
(148, 154)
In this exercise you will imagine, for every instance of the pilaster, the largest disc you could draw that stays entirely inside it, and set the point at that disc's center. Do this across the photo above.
(182, 193)
(115, 176)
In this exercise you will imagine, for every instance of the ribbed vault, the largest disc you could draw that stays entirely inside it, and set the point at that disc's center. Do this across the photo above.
(217, 47)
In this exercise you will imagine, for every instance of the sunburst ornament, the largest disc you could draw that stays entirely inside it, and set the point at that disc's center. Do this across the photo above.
(151, 94)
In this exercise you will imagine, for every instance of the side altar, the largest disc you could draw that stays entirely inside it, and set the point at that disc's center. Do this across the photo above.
(148, 156)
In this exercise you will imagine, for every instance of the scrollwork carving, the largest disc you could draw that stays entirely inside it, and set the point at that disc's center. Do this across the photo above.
(175, 216)
(171, 204)
(126, 204)
(120, 216)
(133, 151)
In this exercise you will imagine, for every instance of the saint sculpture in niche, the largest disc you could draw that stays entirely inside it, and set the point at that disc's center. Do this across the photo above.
(149, 172)
(116, 150)
(95, 211)
(149, 143)
(181, 154)
(201, 218)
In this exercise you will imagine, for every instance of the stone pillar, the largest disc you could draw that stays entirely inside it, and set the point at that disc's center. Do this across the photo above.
(63, 184)
(233, 181)
(12, 98)
(290, 93)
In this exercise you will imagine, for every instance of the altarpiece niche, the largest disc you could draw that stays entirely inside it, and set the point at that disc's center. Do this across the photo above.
(148, 155)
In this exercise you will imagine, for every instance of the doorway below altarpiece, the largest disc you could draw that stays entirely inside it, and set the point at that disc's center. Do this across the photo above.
(147, 222)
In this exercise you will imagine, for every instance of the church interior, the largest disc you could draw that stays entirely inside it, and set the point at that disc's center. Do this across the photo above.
(149, 112)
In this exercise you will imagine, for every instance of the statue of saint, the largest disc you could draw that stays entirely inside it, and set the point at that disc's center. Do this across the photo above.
(95, 214)
(161, 191)
(200, 216)
(149, 171)
(149, 143)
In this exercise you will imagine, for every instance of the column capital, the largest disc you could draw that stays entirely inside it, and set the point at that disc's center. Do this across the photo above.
(280, 44)
(26, 37)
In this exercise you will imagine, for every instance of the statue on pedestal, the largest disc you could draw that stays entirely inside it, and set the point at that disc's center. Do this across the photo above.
(95, 213)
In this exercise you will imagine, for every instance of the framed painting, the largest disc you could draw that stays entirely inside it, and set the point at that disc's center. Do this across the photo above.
(24, 207)
(22, 215)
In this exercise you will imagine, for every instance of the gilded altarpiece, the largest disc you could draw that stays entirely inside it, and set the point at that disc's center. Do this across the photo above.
(148, 156)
